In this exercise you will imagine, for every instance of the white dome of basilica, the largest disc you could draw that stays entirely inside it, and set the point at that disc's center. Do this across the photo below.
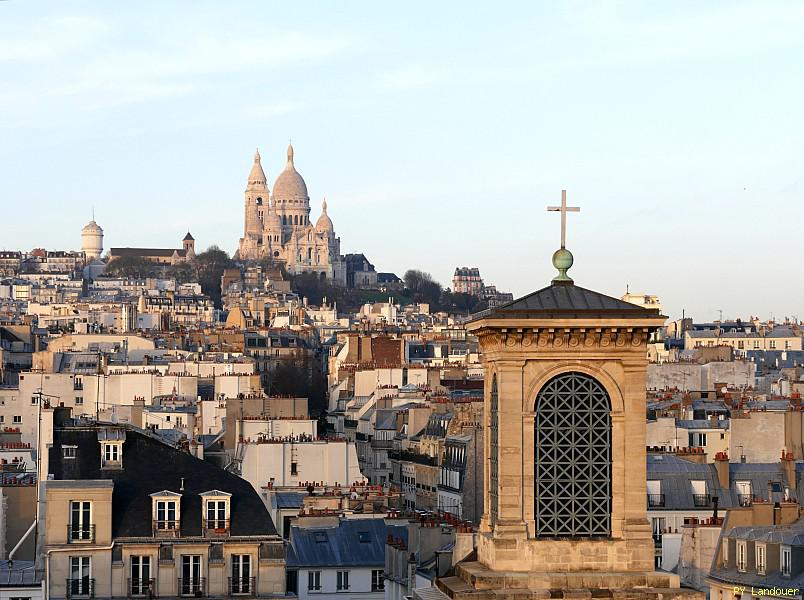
(272, 220)
(324, 223)
(290, 185)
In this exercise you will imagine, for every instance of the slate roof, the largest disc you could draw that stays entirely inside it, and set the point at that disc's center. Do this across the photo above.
(288, 500)
(19, 573)
(388, 278)
(353, 543)
(702, 424)
(778, 332)
(770, 580)
(437, 425)
(676, 474)
(150, 466)
(385, 419)
(165, 252)
(709, 405)
(780, 405)
(562, 300)
(789, 535)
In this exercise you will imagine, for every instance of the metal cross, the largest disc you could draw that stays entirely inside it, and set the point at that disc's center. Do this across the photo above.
(564, 209)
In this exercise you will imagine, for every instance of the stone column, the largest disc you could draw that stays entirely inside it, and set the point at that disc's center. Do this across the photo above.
(510, 460)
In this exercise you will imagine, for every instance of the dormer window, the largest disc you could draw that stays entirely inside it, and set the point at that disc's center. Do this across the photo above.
(111, 447)
(759, 554)
(786, 566)
(216, 505)
(112, 454)
(742, 553)
(166, 513)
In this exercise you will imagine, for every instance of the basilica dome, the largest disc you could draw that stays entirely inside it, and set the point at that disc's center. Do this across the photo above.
(290, 185)
(272, 220)
(324, 223)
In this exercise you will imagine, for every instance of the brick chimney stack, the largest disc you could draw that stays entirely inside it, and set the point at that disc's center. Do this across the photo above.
(722, 468)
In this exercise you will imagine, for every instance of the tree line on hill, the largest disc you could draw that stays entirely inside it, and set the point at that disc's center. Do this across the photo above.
(208, 266)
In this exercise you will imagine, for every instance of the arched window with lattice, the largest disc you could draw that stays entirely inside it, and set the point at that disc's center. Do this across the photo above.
(572, 452)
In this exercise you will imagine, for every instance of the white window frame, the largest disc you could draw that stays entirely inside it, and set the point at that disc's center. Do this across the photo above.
(164, 500)
(785, 561)
(85, 529)
(314, 581)
(377, 580)
(140, 564)
(81, 562)
(760, 558)
(167, 507)
(725, 551)
(242, 573)
(342, 581)
(742, 555)
(219, 500)
(111, 454)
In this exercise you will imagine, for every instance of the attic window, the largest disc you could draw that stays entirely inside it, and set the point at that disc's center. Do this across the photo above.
(216, 511)
(320, 537)
(111, 454)
(364, 537)
(166, 513)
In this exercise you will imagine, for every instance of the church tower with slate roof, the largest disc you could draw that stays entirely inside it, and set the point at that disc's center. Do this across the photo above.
(565, 482)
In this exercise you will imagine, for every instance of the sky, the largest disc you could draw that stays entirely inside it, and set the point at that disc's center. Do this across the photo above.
(438, 133)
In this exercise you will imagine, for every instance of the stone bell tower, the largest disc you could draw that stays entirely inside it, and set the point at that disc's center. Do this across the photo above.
(565, 477)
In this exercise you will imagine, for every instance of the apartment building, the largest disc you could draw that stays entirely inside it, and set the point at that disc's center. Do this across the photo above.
(127, 516)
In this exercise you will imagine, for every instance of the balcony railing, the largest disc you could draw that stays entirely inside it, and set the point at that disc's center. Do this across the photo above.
(655, 500)
(701, 500)
(141, 588)
(164, 528)
(80, 533)
(745, 499)
(242, 586)
(193, 587)
(81, 588)
(216, 527)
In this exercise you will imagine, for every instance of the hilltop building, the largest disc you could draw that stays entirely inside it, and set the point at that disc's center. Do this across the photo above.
(278, 226)
(92, 241)
(161, 256)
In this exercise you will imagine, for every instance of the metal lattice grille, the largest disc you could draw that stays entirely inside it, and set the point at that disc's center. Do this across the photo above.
(572, 447)
(494, 443)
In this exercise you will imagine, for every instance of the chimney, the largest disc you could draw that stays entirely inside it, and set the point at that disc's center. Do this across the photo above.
(722, 468)
(789, 469)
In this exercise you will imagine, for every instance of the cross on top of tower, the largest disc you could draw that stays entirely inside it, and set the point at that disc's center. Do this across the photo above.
(562, 258)
(564, 209)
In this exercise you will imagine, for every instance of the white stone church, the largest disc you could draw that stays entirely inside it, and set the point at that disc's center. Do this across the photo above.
(278, 226)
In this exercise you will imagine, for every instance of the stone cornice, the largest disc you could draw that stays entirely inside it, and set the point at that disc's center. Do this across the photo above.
(652, 323)
(570, 339)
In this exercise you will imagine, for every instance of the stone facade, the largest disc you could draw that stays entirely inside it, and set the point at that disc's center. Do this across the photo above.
(555, 334)
(278, 227)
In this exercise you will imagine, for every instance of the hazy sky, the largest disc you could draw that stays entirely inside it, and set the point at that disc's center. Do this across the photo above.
(437, 131)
